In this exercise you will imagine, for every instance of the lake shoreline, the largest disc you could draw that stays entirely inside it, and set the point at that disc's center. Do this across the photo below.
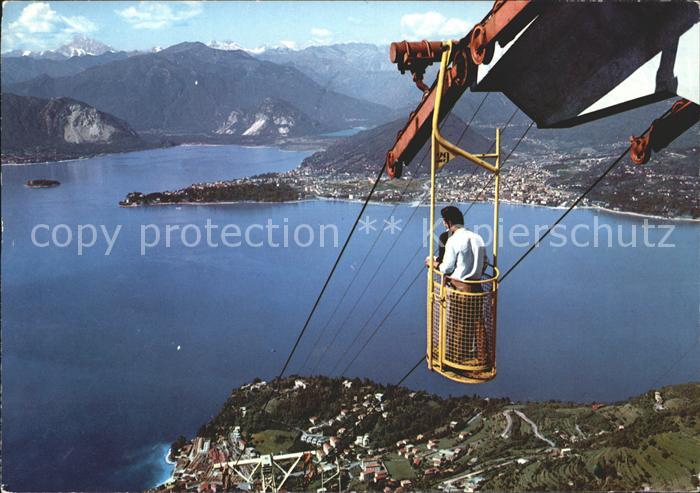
(81, 158)
(313, 146)
(410, 204)
(135, 310)
(388, 203)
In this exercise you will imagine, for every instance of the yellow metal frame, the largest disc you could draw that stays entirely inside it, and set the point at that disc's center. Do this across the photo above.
(476, 373)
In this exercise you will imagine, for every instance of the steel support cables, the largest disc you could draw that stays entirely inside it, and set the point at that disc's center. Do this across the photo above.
(549, 229)
(356, 274)
(330, 275)
(342, 324)
(376, 330)
(359, 333)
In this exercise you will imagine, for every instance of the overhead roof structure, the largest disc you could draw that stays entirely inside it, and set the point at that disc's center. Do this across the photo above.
(579, 61)
(563, 64)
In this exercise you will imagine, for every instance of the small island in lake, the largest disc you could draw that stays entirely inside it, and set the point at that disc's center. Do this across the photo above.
(43, 183)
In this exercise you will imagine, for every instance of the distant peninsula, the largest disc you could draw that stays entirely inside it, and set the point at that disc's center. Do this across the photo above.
(43, 183)
(262, 188)
(370, 437)
(666, 188)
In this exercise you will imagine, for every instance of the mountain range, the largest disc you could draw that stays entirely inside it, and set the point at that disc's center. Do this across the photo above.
(360, 70)
(191, 88)
(224, 93)
(23, 68)
(80, 45)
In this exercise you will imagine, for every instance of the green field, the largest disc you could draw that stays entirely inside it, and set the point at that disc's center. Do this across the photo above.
(273, 441)
(400, 469)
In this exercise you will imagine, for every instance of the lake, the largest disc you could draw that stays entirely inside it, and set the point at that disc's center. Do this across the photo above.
(108, 358)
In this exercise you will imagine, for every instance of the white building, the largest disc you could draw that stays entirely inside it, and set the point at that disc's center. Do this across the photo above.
(362, 440)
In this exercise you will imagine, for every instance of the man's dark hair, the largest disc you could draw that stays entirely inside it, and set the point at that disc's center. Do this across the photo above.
(452, 215)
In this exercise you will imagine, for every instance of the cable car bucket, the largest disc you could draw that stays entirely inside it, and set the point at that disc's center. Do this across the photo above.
(461, 315)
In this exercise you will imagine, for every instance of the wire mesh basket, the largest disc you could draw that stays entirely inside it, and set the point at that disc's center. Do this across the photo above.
(462, 339)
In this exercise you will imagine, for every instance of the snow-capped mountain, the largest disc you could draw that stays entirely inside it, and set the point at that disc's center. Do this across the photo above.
(80, 45)
(226, 45)
(229, 45)
(40, 55)
(363, 57)
(191, 88)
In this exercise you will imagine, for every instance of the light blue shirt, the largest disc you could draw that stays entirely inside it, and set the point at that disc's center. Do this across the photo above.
(465, 255)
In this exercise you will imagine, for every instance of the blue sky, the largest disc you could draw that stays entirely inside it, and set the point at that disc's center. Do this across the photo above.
(143, 25)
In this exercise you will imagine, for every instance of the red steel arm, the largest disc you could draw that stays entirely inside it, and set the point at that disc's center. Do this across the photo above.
(504, 20)
(682, 115)
(417, 130)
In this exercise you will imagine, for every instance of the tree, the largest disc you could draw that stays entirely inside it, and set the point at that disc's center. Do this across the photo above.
(179, 442)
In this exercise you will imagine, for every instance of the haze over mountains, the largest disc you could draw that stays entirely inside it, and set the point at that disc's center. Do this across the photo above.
(81, 53)
(191, 88)
(23, 68)
(366, 151)
(192, 92)
(225, 91)
(360, 70)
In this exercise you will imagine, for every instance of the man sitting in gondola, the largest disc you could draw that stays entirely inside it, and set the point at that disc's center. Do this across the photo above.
(464, 255)
(462, 259)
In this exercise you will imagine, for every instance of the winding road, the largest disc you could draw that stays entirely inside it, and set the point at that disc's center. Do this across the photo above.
(474, 417)
(509, 424)
(535, 429)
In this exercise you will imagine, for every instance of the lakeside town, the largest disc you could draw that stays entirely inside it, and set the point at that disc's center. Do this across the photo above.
(663, 190)
(285, 435)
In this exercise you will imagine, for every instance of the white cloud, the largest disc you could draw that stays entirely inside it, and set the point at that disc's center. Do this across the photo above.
(156, 15)
(433, 24)
(320, 32)
(319, 36)
(40, 27)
